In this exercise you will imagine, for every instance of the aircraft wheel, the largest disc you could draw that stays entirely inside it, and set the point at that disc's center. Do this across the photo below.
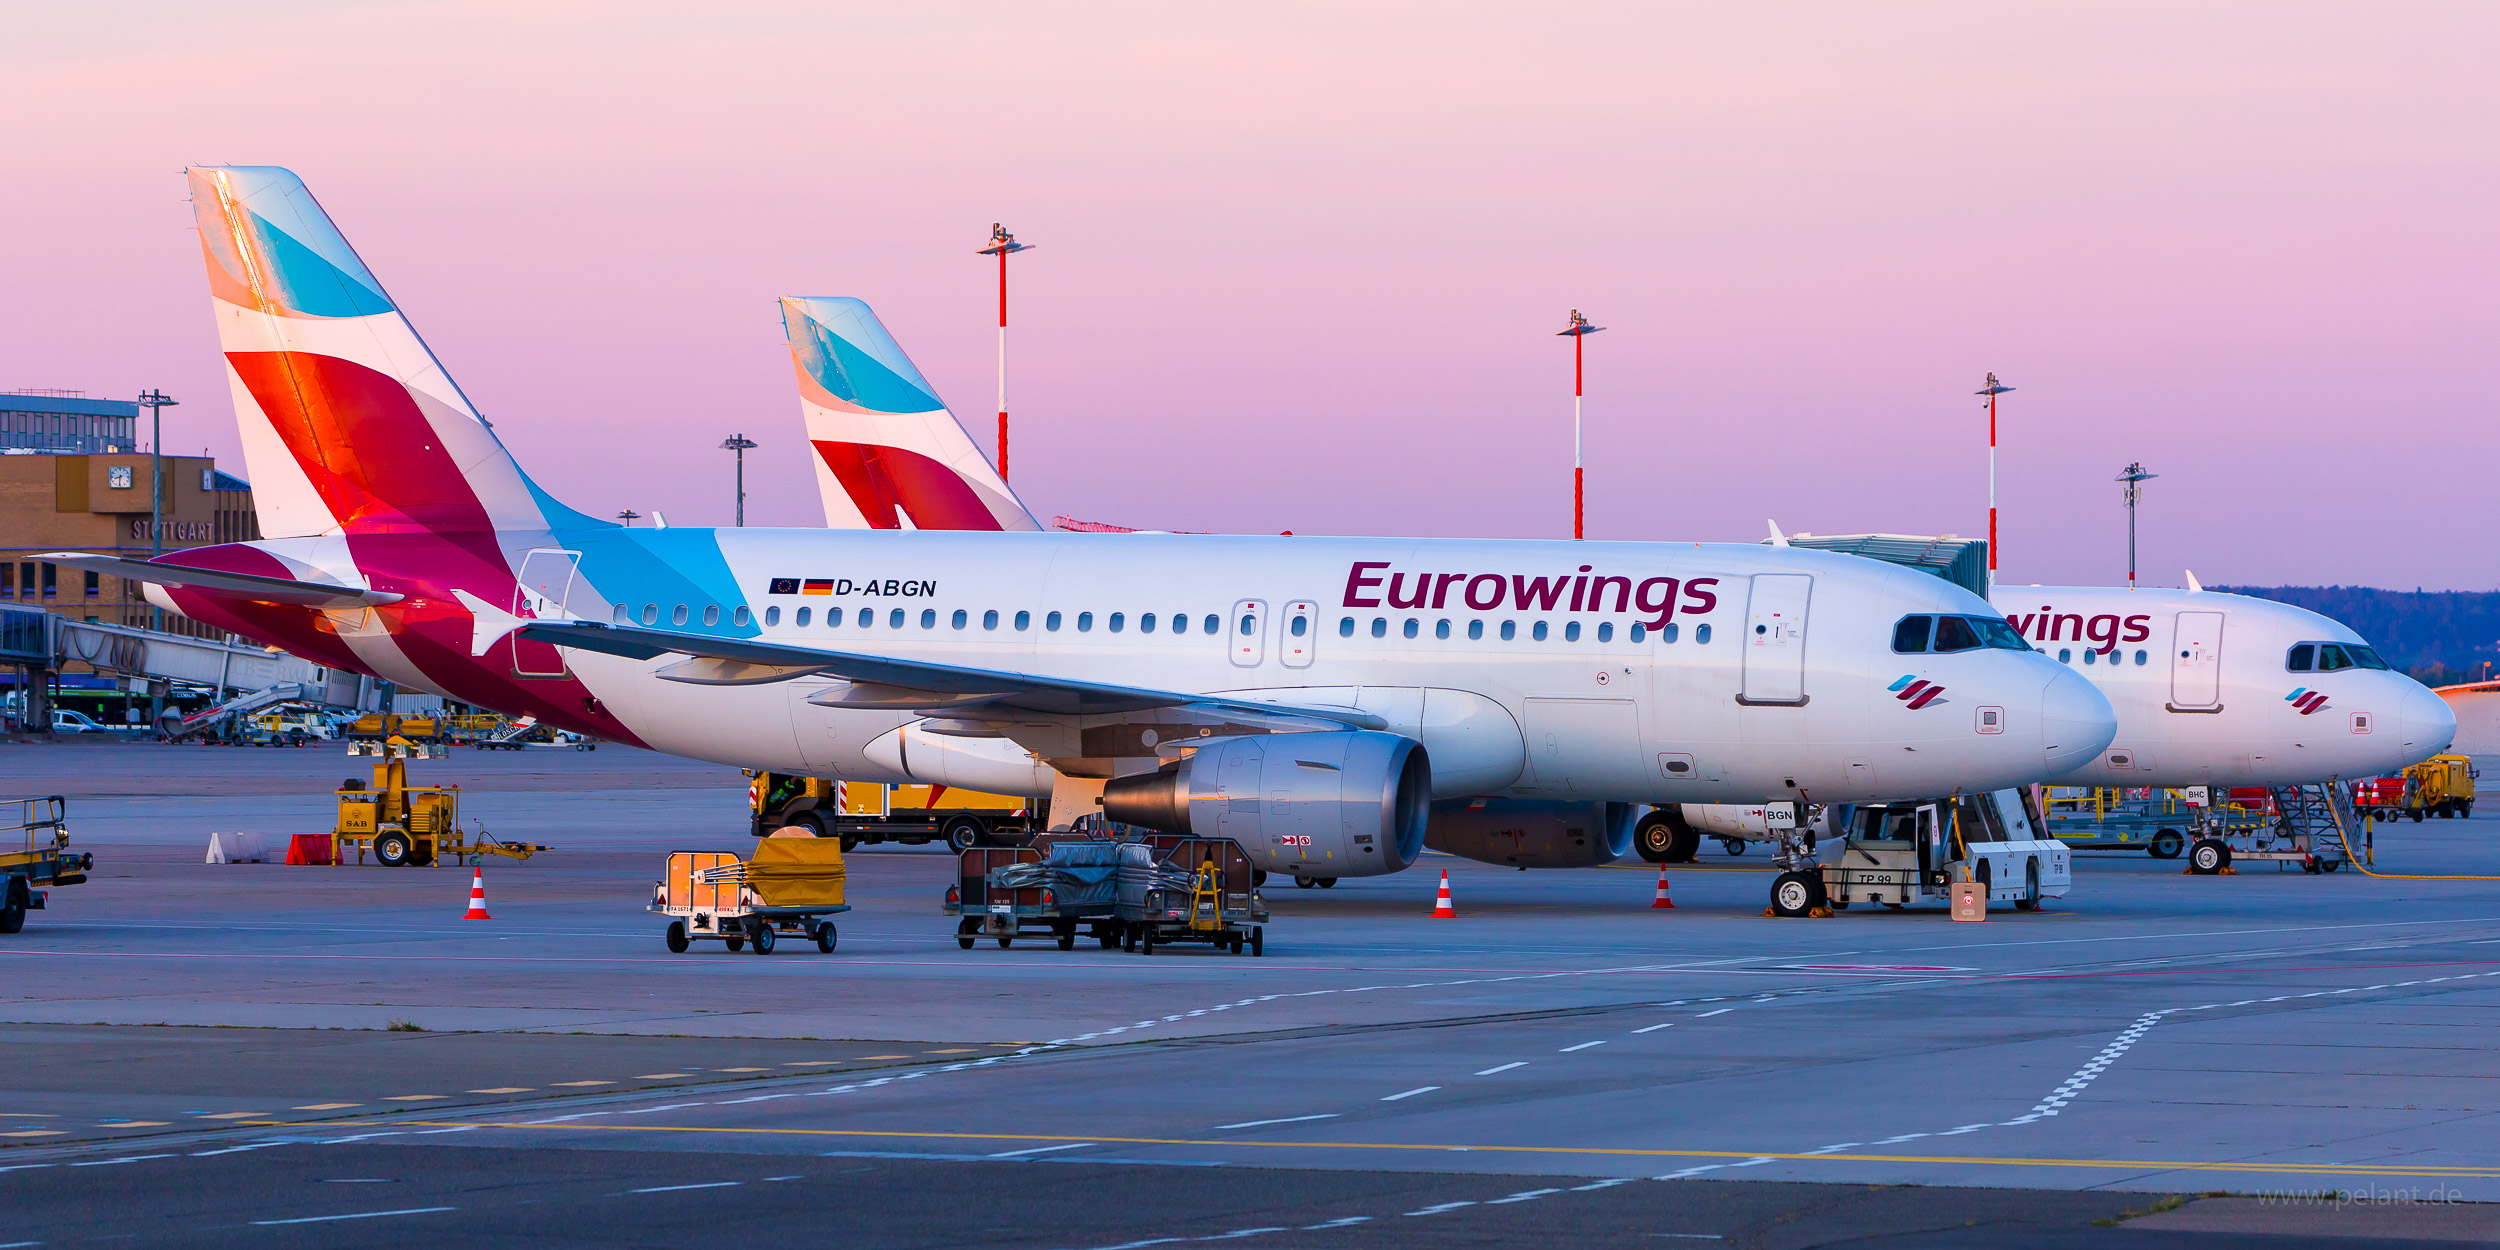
(1327, 883)
(2208, 857)
(1303, 883)
(677, 942)
(1258, 876)
(1664, 838)
(1793, 894)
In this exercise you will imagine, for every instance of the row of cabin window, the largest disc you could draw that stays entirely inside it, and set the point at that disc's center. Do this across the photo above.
(866, 618)
(1509, 630)
(2066, 655)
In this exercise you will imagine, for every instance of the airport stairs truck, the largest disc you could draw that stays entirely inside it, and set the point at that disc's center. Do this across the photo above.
(44, 859)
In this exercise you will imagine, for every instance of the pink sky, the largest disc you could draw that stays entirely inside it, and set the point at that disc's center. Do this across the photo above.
(1300, 266)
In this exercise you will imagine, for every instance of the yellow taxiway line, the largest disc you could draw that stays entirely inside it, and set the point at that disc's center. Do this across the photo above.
(2423, 1171)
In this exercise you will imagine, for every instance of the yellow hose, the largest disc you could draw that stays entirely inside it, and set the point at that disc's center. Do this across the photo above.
(2364, 870)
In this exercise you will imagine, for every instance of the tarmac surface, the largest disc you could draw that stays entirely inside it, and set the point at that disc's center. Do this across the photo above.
(195, 1048)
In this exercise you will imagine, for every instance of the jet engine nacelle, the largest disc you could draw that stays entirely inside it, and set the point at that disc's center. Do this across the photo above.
(1532, 833)
(1349, 803)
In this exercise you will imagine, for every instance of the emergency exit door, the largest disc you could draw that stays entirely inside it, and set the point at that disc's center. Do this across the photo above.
(1775, 639)
(2196, 663)
(546, 581)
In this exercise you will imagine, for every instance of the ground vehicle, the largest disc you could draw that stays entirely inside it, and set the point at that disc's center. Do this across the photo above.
(2379, 798)
(1174, 889)
(44, 859)
(65, 721)
(789, 886)
(377, 726)
(2442, 785)
(1902, 853)
(1003, 891)
(870, 812)
(408, 825)
(2106, 818)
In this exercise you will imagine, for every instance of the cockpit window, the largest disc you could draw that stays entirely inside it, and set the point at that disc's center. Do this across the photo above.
(2303, 658)
(1953, 633)
(2331, 658)
(2367, 658)
(1995, 632)
(1910, 636)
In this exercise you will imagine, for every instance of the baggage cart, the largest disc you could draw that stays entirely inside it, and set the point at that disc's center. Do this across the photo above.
(790, 887)
(42, 859)
(1189, 890)
(1051, 889)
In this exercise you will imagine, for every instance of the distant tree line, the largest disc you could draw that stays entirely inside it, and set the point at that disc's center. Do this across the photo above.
(2442, 637)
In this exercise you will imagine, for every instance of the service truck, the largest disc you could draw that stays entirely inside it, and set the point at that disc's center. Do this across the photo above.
(870, 812)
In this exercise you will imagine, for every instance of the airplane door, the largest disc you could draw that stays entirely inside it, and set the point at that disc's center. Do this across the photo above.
(1775, 639)
(546, 580)
(1301, 632)
(1249, 631)
(2196, 663)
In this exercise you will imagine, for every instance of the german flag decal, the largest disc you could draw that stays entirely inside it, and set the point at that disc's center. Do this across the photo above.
(818, 586)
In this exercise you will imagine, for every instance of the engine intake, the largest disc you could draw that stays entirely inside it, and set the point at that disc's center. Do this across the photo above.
(1345, 803)
(1532, 833)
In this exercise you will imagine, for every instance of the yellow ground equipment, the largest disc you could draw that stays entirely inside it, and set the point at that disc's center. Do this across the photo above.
(2442, 785)
(409, 825)
(790, 886)
(379, 726)
(44, 860)
(868, 811)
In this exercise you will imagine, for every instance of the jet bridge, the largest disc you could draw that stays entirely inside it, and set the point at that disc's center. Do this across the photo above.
(262, 677)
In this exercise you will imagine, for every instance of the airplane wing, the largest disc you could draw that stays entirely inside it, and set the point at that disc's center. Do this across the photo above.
(917, 685)
(248, 585)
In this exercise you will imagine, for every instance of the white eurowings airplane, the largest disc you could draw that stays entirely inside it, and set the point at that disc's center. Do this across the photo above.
(2294, 698)
(1307, 697)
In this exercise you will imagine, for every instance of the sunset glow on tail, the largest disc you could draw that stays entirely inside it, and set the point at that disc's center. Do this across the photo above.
(888, 453)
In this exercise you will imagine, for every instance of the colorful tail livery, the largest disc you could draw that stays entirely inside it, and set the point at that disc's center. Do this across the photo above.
(888, 453)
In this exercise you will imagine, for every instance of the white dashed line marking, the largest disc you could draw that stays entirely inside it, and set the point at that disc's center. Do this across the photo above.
(670, 1189)
(1582, 1046)
(360, 1215)
(1411, 1093)
(1041, 1150)
(1720, 1012)
(1291, 1119)
(1504, 1068)
(1655, 1027)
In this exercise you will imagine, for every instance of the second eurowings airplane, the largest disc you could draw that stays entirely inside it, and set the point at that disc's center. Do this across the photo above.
(2209, 688)
(1309, 697)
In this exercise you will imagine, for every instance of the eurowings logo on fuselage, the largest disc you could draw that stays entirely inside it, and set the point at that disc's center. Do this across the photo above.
(1916, 691)
(2307, 700)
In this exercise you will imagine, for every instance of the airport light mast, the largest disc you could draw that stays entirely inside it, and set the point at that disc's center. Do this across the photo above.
(1578, 332)
(628, 517)
(156, 402)
(2135, 477)
(1002, 245)
(1992, 390)
(739, 443)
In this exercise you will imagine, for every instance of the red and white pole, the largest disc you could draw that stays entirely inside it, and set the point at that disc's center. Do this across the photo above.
(1001, 245)
(1578, 331)
(1992, 390)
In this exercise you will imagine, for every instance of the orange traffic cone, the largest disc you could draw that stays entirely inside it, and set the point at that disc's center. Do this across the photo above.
(1662, 902)
(477, 897)
(1441, 908)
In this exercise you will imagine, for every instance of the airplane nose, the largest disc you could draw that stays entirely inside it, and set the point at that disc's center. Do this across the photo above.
(2076, 722)
(2427, 722)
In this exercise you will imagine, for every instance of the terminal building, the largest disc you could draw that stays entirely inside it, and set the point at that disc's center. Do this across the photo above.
(72, 479)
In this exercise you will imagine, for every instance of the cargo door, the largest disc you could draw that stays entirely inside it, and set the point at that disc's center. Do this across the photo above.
(1586, 747)
(1775, 639)
(2196, 663)
(1299, 635)
(546, 581)
(1249, 633)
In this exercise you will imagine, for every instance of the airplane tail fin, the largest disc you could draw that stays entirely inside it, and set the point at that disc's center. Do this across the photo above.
(888, 453)
(349, 423)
